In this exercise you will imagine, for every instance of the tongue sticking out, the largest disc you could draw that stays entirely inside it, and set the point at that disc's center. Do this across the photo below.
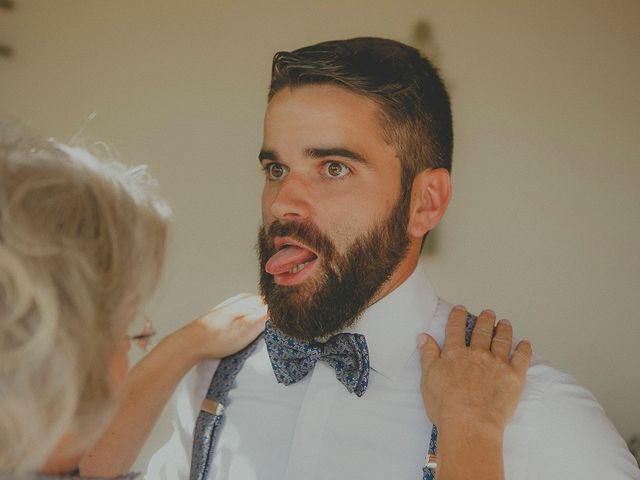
(288, 258)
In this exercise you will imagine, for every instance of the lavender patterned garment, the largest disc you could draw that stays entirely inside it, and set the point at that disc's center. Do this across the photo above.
(429, 473)
(71, 476)
(293, 359)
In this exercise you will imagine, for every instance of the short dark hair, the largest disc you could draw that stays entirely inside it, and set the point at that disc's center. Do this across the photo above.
(414, 103)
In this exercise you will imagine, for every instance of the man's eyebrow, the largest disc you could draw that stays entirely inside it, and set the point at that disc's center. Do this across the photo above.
(335, 152)
(267, 155)
(317, 153)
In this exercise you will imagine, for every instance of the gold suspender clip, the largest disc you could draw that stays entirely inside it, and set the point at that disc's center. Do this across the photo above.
(212, 407)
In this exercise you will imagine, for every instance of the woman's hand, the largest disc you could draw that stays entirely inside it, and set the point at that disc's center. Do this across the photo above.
(481, 383)
(225, 329)
(470, 393)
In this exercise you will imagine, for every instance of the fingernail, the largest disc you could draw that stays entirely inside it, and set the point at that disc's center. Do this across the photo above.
(505, 322)
(422, 339)
(488, 311)
(459, 307)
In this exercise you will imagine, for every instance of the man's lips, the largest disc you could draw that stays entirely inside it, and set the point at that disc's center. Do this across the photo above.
(291, 257)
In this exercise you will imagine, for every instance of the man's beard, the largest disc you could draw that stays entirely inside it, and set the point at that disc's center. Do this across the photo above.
(346, 283)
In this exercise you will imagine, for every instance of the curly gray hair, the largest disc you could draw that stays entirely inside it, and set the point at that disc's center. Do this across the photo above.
(82, 243)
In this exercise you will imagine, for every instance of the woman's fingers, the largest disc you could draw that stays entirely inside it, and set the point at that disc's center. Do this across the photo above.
(485, 336)
(521, 358)
(256, 319)
(242, 306)
(483, 331)
(502, 340)
(233, 299)
(454, 331)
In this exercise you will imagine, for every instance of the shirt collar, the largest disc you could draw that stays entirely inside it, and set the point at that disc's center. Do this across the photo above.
(392, 324)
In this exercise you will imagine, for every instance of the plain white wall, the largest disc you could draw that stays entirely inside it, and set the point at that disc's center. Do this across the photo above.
(545, 221)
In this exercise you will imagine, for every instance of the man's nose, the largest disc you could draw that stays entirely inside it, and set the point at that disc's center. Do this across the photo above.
(292, 199)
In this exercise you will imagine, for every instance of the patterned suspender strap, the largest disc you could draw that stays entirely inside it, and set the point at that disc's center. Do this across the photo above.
(212, 409)
(429, 470)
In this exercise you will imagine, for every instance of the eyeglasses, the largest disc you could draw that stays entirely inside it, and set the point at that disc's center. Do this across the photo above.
(145, 333)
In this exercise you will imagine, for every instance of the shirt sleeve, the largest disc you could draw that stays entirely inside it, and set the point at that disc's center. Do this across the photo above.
(572, 438)
(173, 460)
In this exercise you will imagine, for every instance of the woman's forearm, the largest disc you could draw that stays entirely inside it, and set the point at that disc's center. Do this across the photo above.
(222, 331)
(149, 387)
(469, 452)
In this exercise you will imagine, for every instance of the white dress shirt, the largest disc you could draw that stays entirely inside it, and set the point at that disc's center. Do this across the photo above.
(316, 429)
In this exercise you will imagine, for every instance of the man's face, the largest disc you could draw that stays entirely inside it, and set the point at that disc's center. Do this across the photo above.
(334, 219)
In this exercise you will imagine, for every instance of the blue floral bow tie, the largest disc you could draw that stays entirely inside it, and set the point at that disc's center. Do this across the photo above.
(293, 359)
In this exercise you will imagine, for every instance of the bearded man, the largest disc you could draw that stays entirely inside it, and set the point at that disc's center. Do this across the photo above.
(357, 157)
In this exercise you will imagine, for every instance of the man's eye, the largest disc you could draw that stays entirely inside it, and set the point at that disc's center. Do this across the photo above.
(336, 169)
(276, 171)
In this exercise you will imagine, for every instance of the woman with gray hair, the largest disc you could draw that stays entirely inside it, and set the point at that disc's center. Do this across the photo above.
(82, 244)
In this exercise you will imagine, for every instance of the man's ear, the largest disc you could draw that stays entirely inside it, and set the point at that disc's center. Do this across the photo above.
(430, 195)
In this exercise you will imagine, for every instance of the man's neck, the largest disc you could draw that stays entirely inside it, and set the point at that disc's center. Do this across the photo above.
(399, 276)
